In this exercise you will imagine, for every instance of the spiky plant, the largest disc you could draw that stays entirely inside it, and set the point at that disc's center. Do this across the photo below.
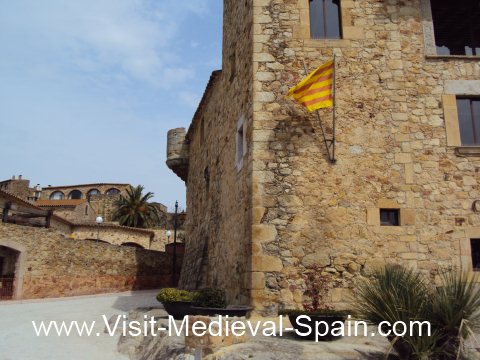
(398, 294)
(134, 210)
(456, 311)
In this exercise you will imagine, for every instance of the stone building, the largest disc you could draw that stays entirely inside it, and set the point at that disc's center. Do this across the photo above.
(20, 187)
(265, 204)
(101, 198)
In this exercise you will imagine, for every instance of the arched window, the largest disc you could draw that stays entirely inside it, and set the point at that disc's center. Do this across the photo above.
(325, 19)
(75, 194)
(57, 195)
(94, 192)
(113, 191)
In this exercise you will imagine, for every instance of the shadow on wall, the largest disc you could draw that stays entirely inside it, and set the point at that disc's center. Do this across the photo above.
(42, 263)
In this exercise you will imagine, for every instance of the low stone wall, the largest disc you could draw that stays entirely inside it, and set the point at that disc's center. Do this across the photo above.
(160, 239)
(50, 264)
(115, 235)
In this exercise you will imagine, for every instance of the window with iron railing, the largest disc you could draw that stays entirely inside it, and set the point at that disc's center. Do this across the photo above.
(456, 26)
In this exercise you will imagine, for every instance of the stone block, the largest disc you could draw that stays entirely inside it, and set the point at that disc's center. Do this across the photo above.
(387, 204)
(409, 174)
(318, 258)
(258, 281)
(407, 217)
(266, 263)
(403, 158)
(257, 214)
(353, 32)
(373, 216)
(263, 233)
(289, 200)
(208, 342)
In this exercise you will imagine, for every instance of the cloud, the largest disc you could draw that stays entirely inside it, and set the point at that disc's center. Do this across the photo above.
(189, 98)
(131, 38)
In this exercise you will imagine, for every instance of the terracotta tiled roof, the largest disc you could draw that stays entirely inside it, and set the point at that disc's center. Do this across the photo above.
(63, 202)
(82, 185)
(17, 200)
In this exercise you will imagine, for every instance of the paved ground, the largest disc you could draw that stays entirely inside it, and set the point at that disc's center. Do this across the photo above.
(18, 340)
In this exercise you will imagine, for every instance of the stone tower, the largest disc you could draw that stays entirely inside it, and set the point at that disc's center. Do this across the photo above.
(265, 204)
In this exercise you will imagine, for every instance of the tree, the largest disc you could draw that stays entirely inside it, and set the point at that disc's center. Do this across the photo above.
(134, 210)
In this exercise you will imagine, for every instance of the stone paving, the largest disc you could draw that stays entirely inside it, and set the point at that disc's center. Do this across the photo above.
(18, 340)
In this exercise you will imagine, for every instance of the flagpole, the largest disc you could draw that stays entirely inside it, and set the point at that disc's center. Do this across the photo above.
(334, 105)
(327, 147)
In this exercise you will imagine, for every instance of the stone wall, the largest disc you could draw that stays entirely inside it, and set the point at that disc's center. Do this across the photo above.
(113, 234)
(77, 213)
(53, 265)
(289, 208)
(104, 205)
(160, 239)
(18, 187)
(391, 153)
(218, 196)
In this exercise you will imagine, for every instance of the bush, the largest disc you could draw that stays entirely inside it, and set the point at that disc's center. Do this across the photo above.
(397, 294)
(168, 295)
(211, 298)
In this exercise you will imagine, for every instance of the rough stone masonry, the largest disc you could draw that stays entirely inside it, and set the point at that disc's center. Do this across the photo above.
(254, 230)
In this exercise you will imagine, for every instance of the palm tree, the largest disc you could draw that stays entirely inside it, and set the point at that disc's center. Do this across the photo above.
(134, 210)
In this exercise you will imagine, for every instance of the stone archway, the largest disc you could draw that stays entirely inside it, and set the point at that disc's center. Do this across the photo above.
(14, 259)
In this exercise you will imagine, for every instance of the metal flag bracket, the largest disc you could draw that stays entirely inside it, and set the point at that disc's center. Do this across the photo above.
(329, 143)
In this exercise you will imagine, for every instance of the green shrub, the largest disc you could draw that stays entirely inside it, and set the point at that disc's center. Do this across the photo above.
(168, 295)
(212, 298)
(397, 294)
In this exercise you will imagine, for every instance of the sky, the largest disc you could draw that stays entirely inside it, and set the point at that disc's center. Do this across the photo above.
(89, 89)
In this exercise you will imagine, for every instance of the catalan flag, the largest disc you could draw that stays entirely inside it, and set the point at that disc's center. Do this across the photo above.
(316, 90)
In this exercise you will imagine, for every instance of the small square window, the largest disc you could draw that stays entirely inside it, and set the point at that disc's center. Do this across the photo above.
(475, 250)
(390, 217)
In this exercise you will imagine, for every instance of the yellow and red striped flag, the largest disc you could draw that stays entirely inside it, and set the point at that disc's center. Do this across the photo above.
(316, 90)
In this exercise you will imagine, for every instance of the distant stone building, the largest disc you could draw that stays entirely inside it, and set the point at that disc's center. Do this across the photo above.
(100, 197)
(82, 204)
(20, 187)
(265, 204)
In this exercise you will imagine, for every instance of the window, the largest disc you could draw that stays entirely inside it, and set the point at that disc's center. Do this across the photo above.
(233, 65)
(456, 26)
(325, 19)
(241, 143)
(206, 176)
(75, 194)
(469, 120)
(475, 250)
(57, 195)
(390, 217)
(113, 191)
(94, 192)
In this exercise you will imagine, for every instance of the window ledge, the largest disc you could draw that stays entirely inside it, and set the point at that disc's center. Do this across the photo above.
(320, 43)
(467, 151)
(453, 57)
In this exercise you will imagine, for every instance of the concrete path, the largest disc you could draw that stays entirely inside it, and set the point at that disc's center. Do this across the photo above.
(18, 340)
